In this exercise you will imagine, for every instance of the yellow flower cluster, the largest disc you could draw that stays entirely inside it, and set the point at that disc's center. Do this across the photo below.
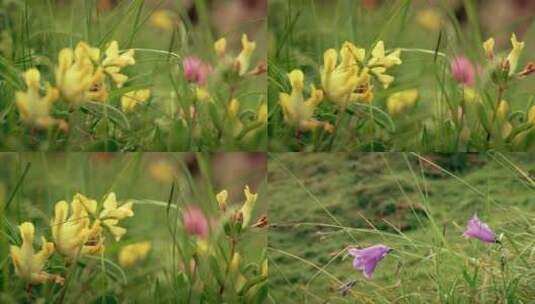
(77, 229)
(349, 80)
(82, 74)
(510, 63)
(240, 63)
(247, 207)
(29, 264)
(297, 111)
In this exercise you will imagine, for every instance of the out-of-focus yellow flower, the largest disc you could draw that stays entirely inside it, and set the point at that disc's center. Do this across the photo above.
(235, 263)
(243, 60)
(73, 235)
(402, 101)
(233, 108)
(203, 247)
(264, 268)
(112, 213)
(34, 108)
(114, 61)
(220, 47)
(531, 116)
(163, 20)
(503, 109)
(429, 18)
(162, 171)
(470, 94)
(488, 46)
(247, 208)
(515, 53)
(28, 264)
(130, 100)
(298, 112)
(134, 253)
(202, 95)
(502, 115)
(262, 114)
(221, 198)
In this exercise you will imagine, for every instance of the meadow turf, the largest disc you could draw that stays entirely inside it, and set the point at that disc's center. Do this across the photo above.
(323, 203)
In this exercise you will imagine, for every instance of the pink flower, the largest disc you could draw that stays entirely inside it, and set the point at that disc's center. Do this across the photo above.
(366, 259)
(195, 70)
(463, 71)
(479, 230)
(195, 222)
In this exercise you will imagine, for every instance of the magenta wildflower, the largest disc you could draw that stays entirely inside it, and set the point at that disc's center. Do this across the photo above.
(195, 70)
(463, 71)
(475, 228)
(366, 259)
(195, 222)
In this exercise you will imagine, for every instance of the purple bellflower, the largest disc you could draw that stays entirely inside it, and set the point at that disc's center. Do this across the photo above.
(366, 259)
(475, 228)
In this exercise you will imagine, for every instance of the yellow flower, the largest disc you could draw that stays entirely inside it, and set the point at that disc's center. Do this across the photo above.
(247, 208)
(162, 171)
(234, 266)
(339, 82)
(220, 47)
(262, 114)
(488, 46)
(298, 112)
(402, 101)
(515, 53)
(264, 268)
(73, 235)
(379, 58)
(233, 108)
(76, 77)
(114, 61)
(130, 100)
(163, 19)
(134, 253)
(244, 58)
(503, 109)
(112, 213)
(34, 108)
(202, 95)
(429, 19)
(531, 116)
(28, 264)
(221, 198)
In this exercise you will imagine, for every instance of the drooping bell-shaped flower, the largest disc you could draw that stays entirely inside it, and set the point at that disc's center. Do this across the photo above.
(475, 228)
(366, 259)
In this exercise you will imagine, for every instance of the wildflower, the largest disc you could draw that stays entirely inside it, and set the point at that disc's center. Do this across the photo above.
(73, 235)
(195, 222)
(429, 19)
(163, 19)
(244, 58)
(130, 100)
(462, 70)
(262, 113)
(247, 207)
(28, 264)
(75, 73)
(195, 70)
(162, 171)
(366, 259)
(235, 263)
(488, 46)
(402, 101)
(114, 61)
(341, 81)
(201, 94)
(112, 213)
(34, 108)
(134, 253)
(221, 198)
(298, 112)
(380, 62)
(475, 228)
(220, 47)
(515, 53)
